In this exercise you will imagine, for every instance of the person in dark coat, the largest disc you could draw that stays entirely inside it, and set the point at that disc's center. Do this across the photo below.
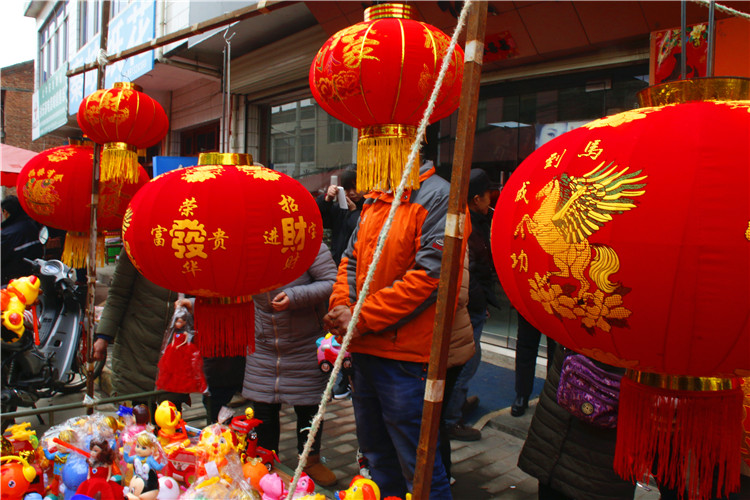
(481, 295)
(341, 221)
(20, 239)
(570, 458)
(135, 316)
(284, 367)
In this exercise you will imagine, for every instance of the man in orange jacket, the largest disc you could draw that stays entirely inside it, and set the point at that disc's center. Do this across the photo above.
(392, 338)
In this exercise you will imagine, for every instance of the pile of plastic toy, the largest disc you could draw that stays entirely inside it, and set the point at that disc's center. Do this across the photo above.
(123, 457)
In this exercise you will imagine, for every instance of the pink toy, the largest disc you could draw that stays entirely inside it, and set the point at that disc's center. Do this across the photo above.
(273, 487)
(305, 486)
(328, 350)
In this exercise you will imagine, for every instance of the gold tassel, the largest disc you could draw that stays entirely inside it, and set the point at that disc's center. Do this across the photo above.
(76, 250)
(382, 152)
(119, 163)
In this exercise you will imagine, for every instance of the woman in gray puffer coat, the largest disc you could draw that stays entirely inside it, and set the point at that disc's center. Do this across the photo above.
(284, 367)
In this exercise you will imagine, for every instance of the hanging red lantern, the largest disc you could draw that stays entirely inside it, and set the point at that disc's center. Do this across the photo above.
(628, 240)
(54, 188)
(378, 75)
(223, 232)
(123, 119)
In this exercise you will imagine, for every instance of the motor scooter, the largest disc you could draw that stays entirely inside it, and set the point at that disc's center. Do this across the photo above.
(58, 363)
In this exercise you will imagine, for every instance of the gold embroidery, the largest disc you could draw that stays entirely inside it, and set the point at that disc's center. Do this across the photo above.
(288, 204)
(202, 173)
(158, 234)
(60, 155)
(554, 160)
(521, 194)
(592, 150)
(572, 209)
(219, 236)
(257, 172)
(126, 219)
(620, 118)
(191, 267)
(747, 232)
(187, 239)
(522, 261)
(188, 206)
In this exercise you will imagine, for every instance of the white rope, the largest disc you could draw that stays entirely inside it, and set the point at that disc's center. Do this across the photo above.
(379, 249)
(724, 8)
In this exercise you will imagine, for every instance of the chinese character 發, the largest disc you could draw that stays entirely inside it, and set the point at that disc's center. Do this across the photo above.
(157, 233)
(218, 238)
(187, 207)
(592, 150)
(187, 239)
(288, 204)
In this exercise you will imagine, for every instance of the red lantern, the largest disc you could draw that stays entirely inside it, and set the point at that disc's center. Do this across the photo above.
(378, 76)
(124, 119)
(54, 188)
(223, 233)
(628, 240)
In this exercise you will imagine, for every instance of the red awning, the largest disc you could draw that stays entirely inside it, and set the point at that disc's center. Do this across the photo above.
(13, 160)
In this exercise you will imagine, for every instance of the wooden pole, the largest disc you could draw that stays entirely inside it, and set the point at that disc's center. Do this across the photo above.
(451, 262)
(91, 269)
(261, 7)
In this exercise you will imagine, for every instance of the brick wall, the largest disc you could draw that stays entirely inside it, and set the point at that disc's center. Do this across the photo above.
(17, 89)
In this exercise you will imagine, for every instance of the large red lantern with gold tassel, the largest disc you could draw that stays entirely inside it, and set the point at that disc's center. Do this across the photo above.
(54, 188)
(223, 232)
(378, 76)
(123, 119)
(628, 240)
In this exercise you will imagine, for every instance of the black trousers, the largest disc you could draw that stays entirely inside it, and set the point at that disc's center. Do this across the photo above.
(269, 431)
(526, 352)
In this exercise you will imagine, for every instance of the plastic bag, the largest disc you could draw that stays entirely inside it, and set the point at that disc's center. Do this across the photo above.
(181, 364)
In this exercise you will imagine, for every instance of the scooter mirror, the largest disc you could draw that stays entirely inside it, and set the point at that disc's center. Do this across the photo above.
(43, 235)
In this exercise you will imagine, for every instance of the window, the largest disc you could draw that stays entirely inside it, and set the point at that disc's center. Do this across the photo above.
(53, 42)
(283, 149)
(338, 131)
(201, 139)
(89, 21)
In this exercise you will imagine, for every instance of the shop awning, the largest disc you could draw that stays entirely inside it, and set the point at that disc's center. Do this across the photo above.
(13, 160)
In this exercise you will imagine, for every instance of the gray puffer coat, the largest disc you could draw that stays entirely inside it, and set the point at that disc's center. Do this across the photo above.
(284, 366)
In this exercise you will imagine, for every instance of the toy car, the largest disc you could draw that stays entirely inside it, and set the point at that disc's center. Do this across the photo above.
(328, 350)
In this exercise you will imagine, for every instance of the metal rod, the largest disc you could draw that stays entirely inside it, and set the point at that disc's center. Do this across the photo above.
(711, 38)
(683, 39)
(261, 7)
(72, 406)
(91, 267)
(455, 244)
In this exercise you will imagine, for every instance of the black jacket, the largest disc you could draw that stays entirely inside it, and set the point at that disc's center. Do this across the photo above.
(481, 268)
(341, 222)
(568, 455)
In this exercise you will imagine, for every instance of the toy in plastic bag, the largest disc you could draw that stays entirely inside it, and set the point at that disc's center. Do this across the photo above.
(149, 459)
(181, 364)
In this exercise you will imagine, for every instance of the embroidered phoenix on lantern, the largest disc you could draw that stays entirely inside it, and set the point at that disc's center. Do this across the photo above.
(574, 208)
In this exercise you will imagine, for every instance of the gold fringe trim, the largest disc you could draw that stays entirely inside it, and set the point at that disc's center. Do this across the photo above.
(682, 382)
(381, 162)
(119, 163)
(76, 250)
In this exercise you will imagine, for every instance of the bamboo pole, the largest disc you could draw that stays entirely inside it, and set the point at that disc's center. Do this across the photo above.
(261, 7)
(452, 263)
(91, 268)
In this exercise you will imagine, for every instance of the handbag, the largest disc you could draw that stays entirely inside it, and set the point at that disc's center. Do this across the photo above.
(589, 392)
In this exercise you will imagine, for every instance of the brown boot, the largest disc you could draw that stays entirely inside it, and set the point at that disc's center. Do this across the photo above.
(319, 473)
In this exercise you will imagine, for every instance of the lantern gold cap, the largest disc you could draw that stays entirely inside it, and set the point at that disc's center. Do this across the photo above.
(225, 159)
(128, 86)
(717, 88)
(389, 10)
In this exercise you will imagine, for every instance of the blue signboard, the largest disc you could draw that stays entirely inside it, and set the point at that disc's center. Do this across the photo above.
(79, 86)
(166, 163)
(135, 25)
(53, 109)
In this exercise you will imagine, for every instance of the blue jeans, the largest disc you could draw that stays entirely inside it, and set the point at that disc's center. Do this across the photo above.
(461, 389)
(388, 397)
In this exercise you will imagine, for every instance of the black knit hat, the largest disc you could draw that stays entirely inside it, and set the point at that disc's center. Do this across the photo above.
(479, 183)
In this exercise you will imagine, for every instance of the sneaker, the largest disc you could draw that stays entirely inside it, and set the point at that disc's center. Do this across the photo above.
(462, 432)
(342, 390)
